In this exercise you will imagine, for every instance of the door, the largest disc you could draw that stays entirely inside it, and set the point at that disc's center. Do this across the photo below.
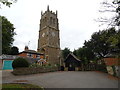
(71, 67)
(7, 65)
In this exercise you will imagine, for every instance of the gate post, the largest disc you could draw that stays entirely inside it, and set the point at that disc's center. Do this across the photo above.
(66, 68)
(82, 67)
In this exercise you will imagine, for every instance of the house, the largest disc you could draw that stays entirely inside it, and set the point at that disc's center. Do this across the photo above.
(72, 63)
(30, 53)
(32, 56)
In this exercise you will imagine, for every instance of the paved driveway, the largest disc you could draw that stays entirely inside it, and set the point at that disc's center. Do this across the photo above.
(65, 79)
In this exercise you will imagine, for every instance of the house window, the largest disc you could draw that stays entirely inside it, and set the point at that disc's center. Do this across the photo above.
(29, 55)
(37, 56)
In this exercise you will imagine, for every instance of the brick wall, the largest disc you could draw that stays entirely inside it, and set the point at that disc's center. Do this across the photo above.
(111, 61)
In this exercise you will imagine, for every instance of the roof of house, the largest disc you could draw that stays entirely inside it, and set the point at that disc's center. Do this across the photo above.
(8, 57)
(31, 52)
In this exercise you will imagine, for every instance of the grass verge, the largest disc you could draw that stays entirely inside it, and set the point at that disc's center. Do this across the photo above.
(11, 86)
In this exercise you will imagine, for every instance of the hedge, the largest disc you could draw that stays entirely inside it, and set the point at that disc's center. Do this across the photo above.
(20, 62)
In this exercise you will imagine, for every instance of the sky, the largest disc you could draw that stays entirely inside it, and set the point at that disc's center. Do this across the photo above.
(76, 21)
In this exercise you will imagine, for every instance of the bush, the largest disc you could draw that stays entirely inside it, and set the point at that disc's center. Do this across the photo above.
(35, 65)
(20, 62)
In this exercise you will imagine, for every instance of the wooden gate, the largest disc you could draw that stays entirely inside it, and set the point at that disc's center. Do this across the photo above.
(89, 67)
(94, 67)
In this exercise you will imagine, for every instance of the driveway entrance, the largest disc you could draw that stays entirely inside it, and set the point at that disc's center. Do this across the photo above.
(66, 79)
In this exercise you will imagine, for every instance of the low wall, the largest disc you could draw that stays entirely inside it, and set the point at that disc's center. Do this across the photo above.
(113, 70)
(31, 70)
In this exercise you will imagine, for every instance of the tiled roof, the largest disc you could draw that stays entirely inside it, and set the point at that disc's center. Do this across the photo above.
(73, 56)
(31, 51)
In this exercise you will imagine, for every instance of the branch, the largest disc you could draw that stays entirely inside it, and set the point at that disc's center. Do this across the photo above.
(7, 3)
(107, 11)
(106, 4)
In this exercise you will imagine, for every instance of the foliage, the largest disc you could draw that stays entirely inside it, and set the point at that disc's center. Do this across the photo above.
(114, 71)
(85, 53)
(75, 52)
(117, 20)
(7, 3)
(7, 35)
(20, 62)
(65, 52)
(35, 65)
(103, 42)
(112, 8)
(14, 50)
(20, 86)
(43, 66)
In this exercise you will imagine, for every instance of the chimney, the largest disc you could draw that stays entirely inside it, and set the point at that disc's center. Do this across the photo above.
(26, 48)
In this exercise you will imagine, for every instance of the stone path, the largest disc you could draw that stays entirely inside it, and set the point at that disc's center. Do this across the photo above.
(65, 79)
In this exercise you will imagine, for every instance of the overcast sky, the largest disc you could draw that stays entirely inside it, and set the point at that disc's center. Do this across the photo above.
(76, 21)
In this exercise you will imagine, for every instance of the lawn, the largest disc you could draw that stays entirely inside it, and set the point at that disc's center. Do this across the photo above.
(20, 87)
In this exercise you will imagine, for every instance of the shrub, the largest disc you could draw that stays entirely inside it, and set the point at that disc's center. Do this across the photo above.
(20, 62)
(35, 65)
(114, 70)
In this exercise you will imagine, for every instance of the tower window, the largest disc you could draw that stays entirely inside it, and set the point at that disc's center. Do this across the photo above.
(50, 20)
(45, 19)
(53, 21)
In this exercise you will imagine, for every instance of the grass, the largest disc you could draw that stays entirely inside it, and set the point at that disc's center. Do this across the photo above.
(20, 87)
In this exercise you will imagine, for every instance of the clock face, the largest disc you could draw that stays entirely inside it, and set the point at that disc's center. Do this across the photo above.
(53, 34)
(43, 34)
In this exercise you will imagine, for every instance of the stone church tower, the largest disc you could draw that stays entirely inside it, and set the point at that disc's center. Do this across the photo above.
(49, 41)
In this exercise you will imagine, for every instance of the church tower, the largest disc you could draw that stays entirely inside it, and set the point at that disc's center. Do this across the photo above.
(49, 41)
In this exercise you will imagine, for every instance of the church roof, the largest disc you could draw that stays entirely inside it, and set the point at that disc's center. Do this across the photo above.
(71, 54)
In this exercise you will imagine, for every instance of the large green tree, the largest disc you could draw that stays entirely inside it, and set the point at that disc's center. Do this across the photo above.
(14, 50)
(7, 35)
(101, 43)
(65, 52)
(104, 42)
(85, 54)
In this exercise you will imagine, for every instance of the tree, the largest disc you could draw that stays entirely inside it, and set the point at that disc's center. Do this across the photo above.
(14, 50)
(85, 54)
(115, 42)
(7, 3)
(20, 62)
(7, 35)
(65, 52)
(103, 42)
(111, 7)
(75, 52)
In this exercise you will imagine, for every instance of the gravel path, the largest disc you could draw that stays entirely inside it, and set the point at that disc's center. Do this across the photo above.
(65, 79)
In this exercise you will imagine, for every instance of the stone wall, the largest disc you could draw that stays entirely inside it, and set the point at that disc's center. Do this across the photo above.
(33, 70)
